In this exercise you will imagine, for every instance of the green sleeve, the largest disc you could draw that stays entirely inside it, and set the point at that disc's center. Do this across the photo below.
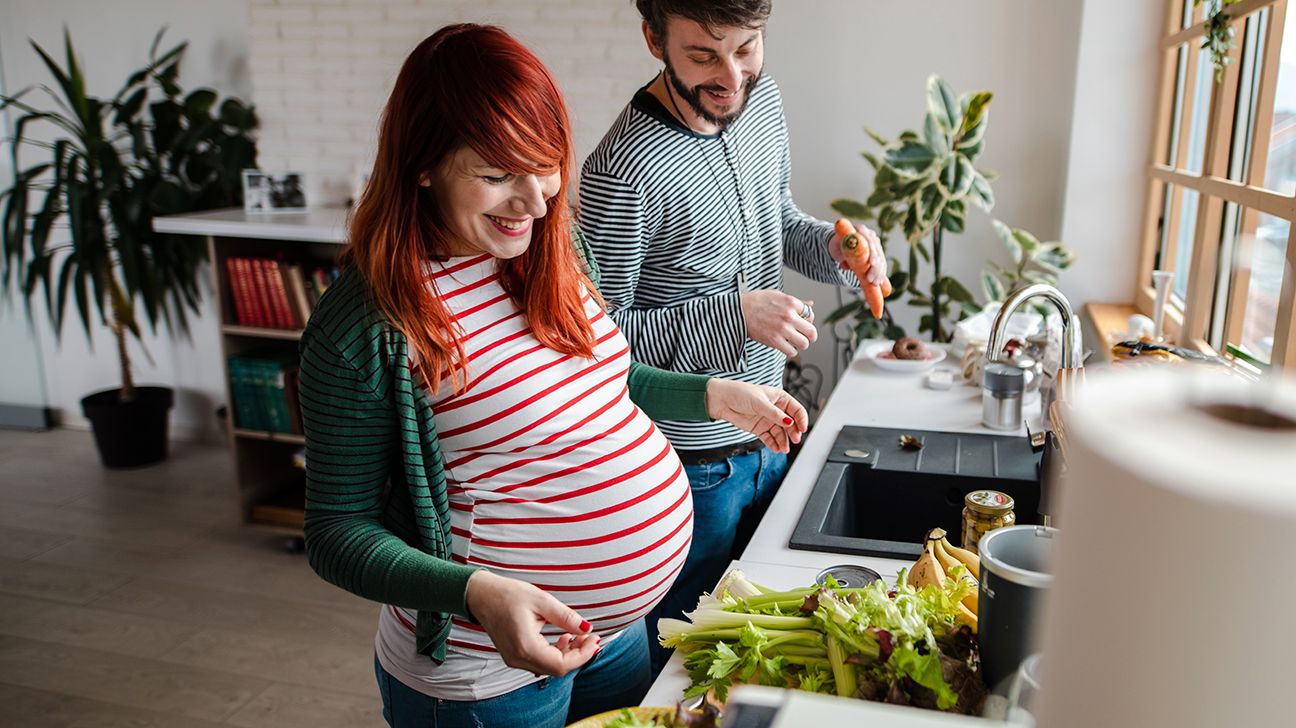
(664, 395)
(351, 442)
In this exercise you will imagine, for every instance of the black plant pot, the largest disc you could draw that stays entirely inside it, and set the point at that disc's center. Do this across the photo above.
(133, 433)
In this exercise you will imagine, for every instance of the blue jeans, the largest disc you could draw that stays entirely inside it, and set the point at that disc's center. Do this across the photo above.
(617, 677)
(729, 498)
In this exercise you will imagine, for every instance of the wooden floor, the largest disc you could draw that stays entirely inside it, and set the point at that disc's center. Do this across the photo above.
(135, 598)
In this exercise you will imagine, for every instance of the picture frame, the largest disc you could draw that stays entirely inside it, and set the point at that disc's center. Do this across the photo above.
(272, 192)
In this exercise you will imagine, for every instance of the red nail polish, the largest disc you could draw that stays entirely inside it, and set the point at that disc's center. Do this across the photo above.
(585, 626)
(787, 420)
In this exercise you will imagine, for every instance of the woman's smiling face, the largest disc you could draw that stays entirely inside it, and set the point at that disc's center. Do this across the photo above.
(488, 209)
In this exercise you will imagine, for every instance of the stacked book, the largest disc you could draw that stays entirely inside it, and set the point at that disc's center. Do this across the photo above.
(264, 388)
(275, 294)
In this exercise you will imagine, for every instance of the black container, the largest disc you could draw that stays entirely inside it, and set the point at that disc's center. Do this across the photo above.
(130, 434)
(1014, 578)
(875, 497)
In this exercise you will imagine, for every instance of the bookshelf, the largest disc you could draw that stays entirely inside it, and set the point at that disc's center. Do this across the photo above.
(270, 488)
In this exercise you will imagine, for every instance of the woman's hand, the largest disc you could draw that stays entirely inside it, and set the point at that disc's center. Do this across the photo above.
(513, 613)
(771, 414)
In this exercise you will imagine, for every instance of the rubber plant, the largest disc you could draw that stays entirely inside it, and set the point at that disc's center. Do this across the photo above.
(923, 185)
(114, 165)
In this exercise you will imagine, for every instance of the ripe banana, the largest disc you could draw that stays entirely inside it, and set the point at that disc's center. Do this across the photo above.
(926, 570)
(967, 616)
(950, 563)
(969, 559)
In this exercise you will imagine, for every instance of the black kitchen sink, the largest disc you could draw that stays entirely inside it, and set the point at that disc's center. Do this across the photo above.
(877, 498)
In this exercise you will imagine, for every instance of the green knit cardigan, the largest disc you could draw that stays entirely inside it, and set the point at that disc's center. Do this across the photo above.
(377, 514)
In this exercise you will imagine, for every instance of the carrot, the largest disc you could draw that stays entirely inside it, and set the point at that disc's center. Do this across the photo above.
(856, 253)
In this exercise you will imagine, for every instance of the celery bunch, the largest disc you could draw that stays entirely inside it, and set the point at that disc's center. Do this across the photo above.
(848, 642)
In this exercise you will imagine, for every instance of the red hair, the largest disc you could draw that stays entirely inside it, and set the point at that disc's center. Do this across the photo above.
(474, 86)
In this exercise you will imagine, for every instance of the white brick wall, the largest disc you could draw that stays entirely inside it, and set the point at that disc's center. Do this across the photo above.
(322, 69)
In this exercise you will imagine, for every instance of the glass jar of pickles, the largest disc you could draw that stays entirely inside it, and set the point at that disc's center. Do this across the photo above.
(984, 511)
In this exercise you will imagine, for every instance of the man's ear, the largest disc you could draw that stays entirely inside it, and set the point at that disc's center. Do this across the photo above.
(653, 47)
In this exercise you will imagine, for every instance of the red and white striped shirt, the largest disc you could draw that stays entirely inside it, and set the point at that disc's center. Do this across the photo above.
(555, 478)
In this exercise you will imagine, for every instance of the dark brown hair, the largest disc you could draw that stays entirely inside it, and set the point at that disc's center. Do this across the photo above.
(710, 14)
(475, 86)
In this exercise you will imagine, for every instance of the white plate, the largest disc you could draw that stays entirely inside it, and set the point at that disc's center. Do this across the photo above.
(880, 354)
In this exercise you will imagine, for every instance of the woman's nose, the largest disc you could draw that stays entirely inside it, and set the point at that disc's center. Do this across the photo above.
(530, 199)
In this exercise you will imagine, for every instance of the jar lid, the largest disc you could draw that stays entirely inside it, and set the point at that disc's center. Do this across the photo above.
(1000, 378)
(989, 502)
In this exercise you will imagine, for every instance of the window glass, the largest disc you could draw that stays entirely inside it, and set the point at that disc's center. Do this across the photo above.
(1186, 230)
(1258, 256)
(1280, 171)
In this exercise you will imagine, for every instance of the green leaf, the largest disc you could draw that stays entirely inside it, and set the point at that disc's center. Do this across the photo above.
(964, 175)
(852, 209)
(872, 159)
(1056, 256)
(1027, 242)
(1005, 234)
(911, 158)
(942, 105)
(956, 291)
(199, 103)
(982, 196)
(846, 311)
(974, 118)
(881, 140)
(878, 197)
(931, 203)
(992, 287)
(935, 136)
(899, 279)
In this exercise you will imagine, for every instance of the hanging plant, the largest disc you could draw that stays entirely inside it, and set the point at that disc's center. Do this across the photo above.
(1218, 37)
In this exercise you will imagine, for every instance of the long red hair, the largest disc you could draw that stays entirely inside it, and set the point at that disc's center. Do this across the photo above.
(475, 86)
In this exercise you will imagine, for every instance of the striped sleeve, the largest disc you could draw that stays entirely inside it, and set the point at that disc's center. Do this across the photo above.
(615, 219)
(350, 444)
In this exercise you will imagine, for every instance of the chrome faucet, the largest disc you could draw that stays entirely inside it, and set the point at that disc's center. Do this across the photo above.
(1070, 325)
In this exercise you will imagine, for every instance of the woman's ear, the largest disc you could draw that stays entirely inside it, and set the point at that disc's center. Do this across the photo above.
(424, 180)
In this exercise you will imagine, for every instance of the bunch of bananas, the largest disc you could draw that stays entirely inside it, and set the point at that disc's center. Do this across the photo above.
(943, 560)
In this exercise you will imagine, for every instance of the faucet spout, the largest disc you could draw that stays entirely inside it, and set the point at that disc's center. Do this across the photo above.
(1070, 329)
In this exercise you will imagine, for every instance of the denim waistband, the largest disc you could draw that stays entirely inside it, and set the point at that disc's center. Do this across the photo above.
(716, 454)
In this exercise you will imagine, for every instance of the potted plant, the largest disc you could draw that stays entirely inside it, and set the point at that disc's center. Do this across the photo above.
(114, 165)
(924, 184)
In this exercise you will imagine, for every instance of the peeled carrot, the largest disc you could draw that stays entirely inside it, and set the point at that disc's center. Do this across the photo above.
(856, 253)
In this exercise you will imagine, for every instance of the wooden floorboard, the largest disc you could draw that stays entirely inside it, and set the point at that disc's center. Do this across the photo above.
(136, 598)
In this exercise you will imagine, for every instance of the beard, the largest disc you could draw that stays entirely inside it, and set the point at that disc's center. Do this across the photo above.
(693, 97)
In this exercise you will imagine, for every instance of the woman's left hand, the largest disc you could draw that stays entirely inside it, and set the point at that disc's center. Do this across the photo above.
(768, 413)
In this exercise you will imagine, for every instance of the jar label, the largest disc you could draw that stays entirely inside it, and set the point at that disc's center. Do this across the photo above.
(989, 499)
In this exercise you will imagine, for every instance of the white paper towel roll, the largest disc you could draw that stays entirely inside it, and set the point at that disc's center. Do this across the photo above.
(1175, 567)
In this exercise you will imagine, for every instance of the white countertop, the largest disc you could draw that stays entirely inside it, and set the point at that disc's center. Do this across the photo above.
(315, 225)
(866, 396)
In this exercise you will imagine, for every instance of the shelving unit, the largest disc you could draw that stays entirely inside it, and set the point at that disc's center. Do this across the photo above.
(270, 489)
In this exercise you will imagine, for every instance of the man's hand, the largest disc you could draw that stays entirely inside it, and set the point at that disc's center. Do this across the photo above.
(513, 613)
(877, 258)
(771, 414)
(774, 319)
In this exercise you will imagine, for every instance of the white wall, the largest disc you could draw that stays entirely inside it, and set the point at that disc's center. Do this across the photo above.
(319, 70)
(1106, 186)
(844, 65)
(112, 40)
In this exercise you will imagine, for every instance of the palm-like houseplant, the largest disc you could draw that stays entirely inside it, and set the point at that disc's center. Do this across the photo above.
(114, 165)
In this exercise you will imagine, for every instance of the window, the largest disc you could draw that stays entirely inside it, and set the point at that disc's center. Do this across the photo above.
(1222, 184)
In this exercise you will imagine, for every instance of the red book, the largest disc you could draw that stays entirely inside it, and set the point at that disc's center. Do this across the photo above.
(278, 295)
(251, 296)
(236, 295)
(261, 292)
